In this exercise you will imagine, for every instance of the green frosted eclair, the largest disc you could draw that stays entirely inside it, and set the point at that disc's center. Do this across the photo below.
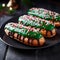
(45, 27)
(46, 14)
(24, 35)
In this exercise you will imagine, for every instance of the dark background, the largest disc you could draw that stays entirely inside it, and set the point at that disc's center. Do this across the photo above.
(57, 2)
(50, 4)
(31, 0)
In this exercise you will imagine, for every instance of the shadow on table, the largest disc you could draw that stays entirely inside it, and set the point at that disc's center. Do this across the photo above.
(48, 53)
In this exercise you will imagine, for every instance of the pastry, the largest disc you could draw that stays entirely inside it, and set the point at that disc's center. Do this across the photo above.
(46, 14)
(46, 28)
(24, 35)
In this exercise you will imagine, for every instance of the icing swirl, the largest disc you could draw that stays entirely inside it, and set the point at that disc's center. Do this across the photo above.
(44, 14)
(35, 22)
(23, 31)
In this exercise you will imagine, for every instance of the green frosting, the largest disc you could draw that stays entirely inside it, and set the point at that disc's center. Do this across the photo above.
(57, 18)
(49, 27)
(24, 32)
(34, 23)
(40, 13)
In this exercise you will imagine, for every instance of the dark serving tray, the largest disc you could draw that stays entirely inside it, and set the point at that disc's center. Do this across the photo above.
(12, 42)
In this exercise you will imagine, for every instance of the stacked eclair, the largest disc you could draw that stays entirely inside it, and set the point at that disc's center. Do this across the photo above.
(46, 14)
(46, 28)
(32, 28)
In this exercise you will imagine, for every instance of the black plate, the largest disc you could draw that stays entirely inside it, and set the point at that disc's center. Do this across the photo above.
(11, 42)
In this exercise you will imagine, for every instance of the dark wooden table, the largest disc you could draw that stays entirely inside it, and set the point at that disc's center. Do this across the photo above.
(10, 53)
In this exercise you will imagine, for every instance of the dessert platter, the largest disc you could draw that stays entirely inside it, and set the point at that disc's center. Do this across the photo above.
(37, 29)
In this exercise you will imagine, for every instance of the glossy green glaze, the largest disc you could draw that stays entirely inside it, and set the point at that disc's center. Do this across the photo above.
(57, 18)
(34, 23)
(44, 15)
(24, 32)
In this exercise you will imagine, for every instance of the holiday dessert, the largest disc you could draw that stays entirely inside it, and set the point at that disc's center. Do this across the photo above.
(46, 28)
(46, 14)
(24, 34)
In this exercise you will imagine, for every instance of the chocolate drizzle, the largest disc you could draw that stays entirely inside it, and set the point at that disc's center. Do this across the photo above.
(50, 33)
